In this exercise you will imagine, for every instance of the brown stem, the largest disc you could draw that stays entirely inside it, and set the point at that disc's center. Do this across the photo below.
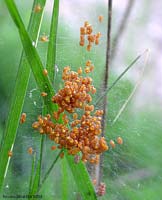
(121, 28)
(105, 82)
(105, 86)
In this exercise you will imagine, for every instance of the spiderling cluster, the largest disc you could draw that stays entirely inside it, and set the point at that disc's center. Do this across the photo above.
(77, 132)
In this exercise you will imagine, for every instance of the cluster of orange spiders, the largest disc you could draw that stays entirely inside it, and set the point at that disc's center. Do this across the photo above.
(78, 132)
(101, 190)
(87, 30)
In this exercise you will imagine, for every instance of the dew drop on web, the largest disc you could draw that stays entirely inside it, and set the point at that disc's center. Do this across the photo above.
(7, 186)
(34, 44)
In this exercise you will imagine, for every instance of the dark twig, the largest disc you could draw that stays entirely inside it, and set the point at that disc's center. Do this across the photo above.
(105, 82)
(105, 86)
(121, 28)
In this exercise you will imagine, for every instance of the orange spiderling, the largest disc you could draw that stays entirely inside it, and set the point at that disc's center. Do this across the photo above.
(81, 43)
(86, 23)
(45, 72)
(100, 18)
(98, 35)
(89, 46)
(30, 150)
(53, 147)
(35, 125)
(75, 116)
(82, 31)
(37, 8)
(119, 140)
(88, 63)
(101, 190)
(82, 38)
(91, 38)
(79, 71)
(91, 68)
(97, 41)
(43, 94)
(62, 155)
(23, 118)
(10, 154)
(87, 70)
(44, 38)
(89, 30)
(112, 143)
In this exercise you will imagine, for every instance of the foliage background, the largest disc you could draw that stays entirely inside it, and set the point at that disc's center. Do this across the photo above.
(131, 171)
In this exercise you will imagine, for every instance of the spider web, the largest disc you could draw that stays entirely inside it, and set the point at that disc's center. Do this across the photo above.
(131, 170)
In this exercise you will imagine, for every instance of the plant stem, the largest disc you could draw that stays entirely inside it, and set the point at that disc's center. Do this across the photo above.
(51, 54)
(19, 91)
(51, 57)
(119, 77)
(133, 92)
(32, 173)
(105, 86)
(65, 186)
(107, 66)
(49, 171)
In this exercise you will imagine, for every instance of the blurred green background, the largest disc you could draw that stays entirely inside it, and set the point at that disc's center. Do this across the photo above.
(133, 170)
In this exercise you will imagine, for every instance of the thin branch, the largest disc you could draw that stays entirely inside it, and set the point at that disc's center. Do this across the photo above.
(134, 90)
(105, 83)
(49, 171)
(119, 77)
(105, 86)
(32, 172)
(121, 27)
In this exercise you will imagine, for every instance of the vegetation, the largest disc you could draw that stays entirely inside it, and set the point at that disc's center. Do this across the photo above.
(30, 160)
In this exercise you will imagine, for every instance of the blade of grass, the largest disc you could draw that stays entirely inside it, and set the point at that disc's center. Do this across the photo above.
(81, 177)
(80, 173)
(32, 173)
(37, 177)
(132, 93)
(51, 58)
(34, 60)
(19, 94)
(119, 77)
(36, 180)
(49, 171)
(51, 54)
(65, 186)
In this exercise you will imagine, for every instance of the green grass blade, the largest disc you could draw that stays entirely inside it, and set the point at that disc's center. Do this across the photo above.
(82, 179)
(50, 65)
(132, 93)
(18, 94)
(79, 172)
(51, 54)
(49, 171)
(64, 182)
(120, 76)
(36, 180)
(37, 177)
(32, 173)
(34, 60)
